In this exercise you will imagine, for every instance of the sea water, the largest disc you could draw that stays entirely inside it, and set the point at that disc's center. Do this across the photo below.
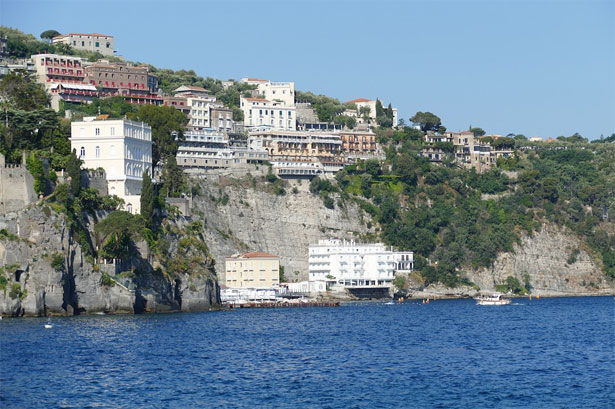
(542, 353)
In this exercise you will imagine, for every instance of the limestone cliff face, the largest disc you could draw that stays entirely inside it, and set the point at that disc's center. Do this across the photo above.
(43, 271)
(556, 262)
(252, 218)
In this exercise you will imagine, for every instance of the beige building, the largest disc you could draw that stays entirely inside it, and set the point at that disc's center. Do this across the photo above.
(64, 78)
(371, 104)
(252, 270)
(95, 42)
(298, 145)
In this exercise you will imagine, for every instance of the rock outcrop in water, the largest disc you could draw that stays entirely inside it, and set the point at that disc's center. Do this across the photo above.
(45, 271)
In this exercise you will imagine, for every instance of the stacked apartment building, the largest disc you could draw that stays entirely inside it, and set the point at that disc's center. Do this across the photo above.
(132, 82)
(64, 78)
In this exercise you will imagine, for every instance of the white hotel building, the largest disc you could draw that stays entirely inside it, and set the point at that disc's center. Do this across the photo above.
(259, 112)
(122, 148)
(348, 264)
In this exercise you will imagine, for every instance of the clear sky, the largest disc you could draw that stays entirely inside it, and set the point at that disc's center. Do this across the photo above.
(541, 68)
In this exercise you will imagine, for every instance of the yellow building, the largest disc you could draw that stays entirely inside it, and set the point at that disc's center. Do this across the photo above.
(252, 270)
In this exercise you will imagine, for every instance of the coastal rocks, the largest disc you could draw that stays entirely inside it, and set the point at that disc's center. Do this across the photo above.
(552, 261)
(44, 271)
(242, 216)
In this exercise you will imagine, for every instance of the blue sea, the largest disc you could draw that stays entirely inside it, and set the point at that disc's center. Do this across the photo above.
(546, 353)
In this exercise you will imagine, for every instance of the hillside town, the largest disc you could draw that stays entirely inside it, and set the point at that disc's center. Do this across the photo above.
(270, 128)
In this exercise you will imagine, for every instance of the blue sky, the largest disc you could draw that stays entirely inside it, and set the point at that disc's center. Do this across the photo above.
(541, 68)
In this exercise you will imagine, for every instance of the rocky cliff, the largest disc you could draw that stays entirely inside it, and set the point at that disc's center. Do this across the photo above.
(245, 214)
(44, 271)
(553, 261)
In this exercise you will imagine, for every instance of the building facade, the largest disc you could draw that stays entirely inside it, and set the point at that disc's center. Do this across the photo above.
(134, 83)
(259, 112)
(348, 264)
(282, 92)
(252, 270)
(122, 148)
(94, 42)
(358, 143)
(64, 78)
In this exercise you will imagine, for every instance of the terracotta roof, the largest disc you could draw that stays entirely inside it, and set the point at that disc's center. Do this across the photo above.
(354, 101)
(103, 116)
(258, 254)
(257, 99)
(256, 79)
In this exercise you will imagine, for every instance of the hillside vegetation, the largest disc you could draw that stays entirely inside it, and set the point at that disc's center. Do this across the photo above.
(456, 219)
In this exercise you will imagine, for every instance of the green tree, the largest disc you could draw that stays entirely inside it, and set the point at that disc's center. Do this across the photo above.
(118, 230)
(427, 121)
(365, 112)
(147, 199)
(49, 34)
(167, 126)
(36, 169)
(73, 168)
(477, 132)
(22, 92)
(173, 181)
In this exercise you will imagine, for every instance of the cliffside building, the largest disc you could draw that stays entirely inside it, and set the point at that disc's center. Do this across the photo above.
(344, 264)
(64, 78)
(210, 149)
(122, 148)
(282, 92)
(132, 82)
(252, 270)
(371, 104)
(94, 42)
(260, 112)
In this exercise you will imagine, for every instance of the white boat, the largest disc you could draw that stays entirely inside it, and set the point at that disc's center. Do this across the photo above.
(49, 324)
(493, 299)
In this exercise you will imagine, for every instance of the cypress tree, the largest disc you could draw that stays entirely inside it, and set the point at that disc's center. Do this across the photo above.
(147, 199)
(73, 168)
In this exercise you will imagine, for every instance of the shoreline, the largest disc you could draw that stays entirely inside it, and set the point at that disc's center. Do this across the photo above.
(326, 299)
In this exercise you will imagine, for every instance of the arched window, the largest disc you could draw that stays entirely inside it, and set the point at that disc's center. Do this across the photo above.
(82, 152)
(98, 151)
(129, 208)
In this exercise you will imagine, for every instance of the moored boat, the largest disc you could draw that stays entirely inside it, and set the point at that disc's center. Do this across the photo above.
(493, 299)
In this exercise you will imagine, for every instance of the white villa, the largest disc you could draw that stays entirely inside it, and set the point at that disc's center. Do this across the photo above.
(349, 264)
(280, 91)
(122, 148)
(258, 112)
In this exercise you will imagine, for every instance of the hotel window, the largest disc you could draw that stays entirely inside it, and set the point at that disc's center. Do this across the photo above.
(98, 151)
(97, 131)
(112, 131)
(83, 44)
(82, 152)
(97, 44)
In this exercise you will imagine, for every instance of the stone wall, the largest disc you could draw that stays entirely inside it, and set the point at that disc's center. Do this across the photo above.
(16, 186)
